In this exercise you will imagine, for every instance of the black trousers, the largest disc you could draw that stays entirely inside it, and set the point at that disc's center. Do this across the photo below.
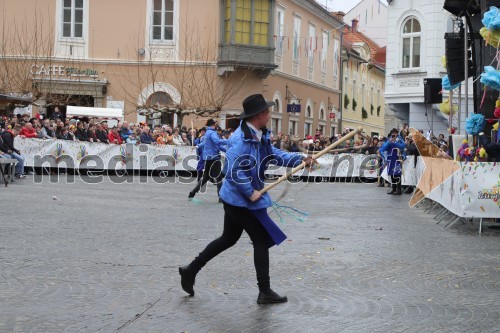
(237, 219)
(396, 182)
(213, 169)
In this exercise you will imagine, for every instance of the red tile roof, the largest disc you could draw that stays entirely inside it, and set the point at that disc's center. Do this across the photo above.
(377, 54)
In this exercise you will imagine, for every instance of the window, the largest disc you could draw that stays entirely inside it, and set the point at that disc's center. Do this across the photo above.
(332, 131)
(163, 20)
(324, 49)
(275, 126)
(296, 39)
(411, 43)
(277, 106)
(307, 123)
(307, 129)
(354, 90)
(322, 114)
(336, 58)
(311, 47)
(292, 128)
(250, 23)
(280, 31)
(363, 95)
(72, 21)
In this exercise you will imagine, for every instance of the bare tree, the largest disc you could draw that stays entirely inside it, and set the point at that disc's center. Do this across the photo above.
(201, 90)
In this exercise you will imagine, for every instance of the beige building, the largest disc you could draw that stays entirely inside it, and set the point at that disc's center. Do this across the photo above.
(171, 59)
(363, 67)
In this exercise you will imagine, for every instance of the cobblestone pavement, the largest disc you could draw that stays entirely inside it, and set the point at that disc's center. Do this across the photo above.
(104, 258)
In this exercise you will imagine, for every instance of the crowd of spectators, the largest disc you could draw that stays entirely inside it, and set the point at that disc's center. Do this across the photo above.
(95, 130)
(56, 126)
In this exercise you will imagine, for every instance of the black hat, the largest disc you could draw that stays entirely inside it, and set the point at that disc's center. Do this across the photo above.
(253, 105)
(210, 122)
(393, 131)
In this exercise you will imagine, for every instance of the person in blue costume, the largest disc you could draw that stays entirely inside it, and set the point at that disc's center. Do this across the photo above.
(212, 145)
(248, 154)
(393, 152)
(199, 143)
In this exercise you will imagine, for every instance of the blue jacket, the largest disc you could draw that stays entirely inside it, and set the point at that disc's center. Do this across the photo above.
(146, 138)
(199, 143)
(389, 151)
(213, 145)
(246, 161)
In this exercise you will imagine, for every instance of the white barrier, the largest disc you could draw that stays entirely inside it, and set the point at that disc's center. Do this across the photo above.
(87, 155)
(472, 191)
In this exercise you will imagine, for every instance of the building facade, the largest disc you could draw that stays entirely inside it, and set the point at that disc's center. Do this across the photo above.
(363, 68)
(415, 49)
(174, 61)
(372, 16)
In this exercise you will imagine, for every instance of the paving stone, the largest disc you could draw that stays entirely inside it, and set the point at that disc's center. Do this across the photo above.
(104, 258)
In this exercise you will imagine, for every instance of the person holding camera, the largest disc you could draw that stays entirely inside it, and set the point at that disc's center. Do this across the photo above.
(393, 152)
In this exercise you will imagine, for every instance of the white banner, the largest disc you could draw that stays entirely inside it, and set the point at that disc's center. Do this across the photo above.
(88, 155)
(472, 191)
(101, 156)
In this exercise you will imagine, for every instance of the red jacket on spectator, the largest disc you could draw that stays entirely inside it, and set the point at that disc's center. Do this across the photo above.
(115, 136)
(28, 133)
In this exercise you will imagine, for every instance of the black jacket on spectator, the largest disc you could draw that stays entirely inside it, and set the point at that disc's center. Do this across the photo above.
(8, 140)
(56, 115)
(82, 134)
(146, 138)
(3, 146)
(66, 136)
(102, 136)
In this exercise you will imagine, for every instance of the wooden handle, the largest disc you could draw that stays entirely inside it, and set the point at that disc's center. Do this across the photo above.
(316, 156)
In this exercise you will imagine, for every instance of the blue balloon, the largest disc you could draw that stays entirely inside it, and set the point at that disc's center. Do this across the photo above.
(475, 124)
(446, 84)
(491, 19)
(491, 77)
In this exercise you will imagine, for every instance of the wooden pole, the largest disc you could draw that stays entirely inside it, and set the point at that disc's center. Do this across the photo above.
(316, 156)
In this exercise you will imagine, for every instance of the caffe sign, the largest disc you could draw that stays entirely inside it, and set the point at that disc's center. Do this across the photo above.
(55, 70)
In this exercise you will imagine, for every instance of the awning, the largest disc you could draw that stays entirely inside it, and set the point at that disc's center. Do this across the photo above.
(81, 111)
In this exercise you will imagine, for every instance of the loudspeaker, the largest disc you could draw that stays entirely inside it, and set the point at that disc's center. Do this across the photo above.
(455, 57)
(432, 91)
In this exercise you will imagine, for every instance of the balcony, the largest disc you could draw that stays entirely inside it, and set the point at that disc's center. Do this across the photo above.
(248, 57)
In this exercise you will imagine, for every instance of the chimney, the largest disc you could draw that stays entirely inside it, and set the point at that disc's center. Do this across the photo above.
(354, 25)
(339, 14)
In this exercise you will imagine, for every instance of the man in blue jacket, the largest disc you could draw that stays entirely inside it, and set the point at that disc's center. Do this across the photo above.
(212, 146)
(249, 152)
(198, 142)
(393, 152)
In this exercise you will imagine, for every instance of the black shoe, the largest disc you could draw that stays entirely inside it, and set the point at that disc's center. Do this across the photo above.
(392, 191)
(271, 298)
(191, 195)
(380, 185)
(187, 279)
(398, 192)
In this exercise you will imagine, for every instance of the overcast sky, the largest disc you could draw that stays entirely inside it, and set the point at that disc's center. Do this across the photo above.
(341, 5)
